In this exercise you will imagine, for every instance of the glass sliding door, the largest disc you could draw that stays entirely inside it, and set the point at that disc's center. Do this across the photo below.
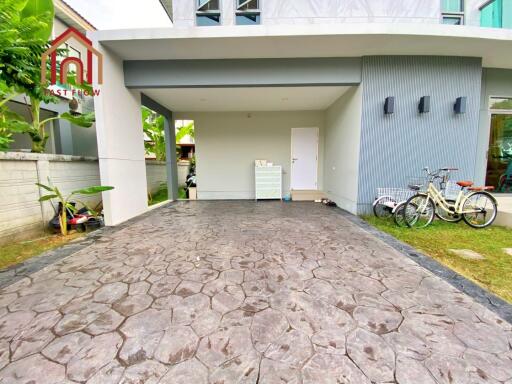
(499, 156)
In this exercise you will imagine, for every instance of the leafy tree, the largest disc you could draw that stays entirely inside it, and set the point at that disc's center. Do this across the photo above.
(184, 131)
(153, 126)
(180, 134)
(25, 27)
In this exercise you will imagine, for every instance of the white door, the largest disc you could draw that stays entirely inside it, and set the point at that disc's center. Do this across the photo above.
(304, 158)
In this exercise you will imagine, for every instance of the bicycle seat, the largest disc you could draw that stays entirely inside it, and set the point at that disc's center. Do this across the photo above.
(486, 188)
(465, 183)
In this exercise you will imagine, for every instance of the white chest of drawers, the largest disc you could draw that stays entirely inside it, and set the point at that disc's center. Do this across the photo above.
(268, 182)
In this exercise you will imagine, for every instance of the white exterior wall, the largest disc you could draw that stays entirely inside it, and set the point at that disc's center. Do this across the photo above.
(342, 140)
(120, 144)
(333, 11)
(227, 143)
(321, 11)
(472, 12)
(21, 215)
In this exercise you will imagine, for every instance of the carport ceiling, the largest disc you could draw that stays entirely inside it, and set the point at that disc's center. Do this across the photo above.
(246, 99)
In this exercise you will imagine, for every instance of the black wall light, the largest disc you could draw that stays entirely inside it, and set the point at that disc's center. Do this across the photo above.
(460, 105)
(389, 105)
(424, 105)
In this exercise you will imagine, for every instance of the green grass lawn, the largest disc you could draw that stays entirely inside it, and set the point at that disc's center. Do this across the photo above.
(182, 193)
(493, 273)
(158, 196)
(161, 195)
(20, 251)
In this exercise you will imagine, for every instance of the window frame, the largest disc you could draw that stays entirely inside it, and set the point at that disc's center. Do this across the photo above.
(254, 12)
(208, 13)
(452, 14)
(499, 111)
(459, 16)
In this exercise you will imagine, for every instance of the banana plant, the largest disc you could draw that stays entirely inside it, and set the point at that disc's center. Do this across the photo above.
(25, 27)
(153, 127)
(65, 200)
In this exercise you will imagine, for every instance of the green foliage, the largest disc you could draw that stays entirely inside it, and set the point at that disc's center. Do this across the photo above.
(25, 27)
(43, 11)
(86, 120)
(153, 126)
(184, 131)
(10, 122)
(160, 195)
(91, 190)
(56, 194)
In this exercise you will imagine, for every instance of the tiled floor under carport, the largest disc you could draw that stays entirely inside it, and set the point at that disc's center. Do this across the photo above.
(244, 292)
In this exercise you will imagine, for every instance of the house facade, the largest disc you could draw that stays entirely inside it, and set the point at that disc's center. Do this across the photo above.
(346, 96)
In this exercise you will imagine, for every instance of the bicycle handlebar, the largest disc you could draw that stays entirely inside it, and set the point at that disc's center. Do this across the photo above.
(441, 173)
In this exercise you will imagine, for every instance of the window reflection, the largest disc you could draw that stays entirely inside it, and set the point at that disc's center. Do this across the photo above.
(499, 164)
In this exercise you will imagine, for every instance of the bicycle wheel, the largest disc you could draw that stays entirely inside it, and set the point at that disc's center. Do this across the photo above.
(450, 217)
(398, 216)
(381, 209)
(486, 210)
(419, 211)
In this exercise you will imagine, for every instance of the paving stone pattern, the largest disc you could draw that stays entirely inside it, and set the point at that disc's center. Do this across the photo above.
(243, 292)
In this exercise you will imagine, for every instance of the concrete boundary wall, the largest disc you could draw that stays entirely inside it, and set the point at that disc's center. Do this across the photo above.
(21, 214)
(156, 175)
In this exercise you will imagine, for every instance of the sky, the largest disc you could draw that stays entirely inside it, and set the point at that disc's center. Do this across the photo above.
(122, 14)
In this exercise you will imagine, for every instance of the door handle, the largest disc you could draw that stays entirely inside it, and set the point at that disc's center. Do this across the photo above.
(294, 159)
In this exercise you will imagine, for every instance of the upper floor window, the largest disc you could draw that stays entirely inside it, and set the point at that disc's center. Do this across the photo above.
(452, 12)
(496, 14)
(208, 12)
(247, 12)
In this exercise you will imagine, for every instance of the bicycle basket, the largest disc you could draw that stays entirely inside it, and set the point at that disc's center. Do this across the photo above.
(393, 195)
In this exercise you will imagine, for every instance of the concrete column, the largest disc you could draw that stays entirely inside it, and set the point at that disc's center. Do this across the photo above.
(170, 145)
(170, 155)
(120, 143)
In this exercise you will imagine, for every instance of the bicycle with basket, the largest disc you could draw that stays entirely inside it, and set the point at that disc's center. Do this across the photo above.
(391, 201)
(473, 204)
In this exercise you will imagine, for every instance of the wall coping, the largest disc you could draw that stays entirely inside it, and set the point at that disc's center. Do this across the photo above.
(28, 156)
(155, 162)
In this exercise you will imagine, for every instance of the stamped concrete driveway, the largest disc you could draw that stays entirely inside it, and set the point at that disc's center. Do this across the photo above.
(246, 292)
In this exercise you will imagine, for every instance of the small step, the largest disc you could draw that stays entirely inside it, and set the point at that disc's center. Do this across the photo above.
(307, 195)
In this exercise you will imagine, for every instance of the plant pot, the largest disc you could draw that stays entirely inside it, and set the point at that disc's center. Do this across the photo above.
(192, 193)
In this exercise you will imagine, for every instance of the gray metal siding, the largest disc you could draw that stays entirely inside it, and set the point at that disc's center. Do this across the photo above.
(396, 147)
